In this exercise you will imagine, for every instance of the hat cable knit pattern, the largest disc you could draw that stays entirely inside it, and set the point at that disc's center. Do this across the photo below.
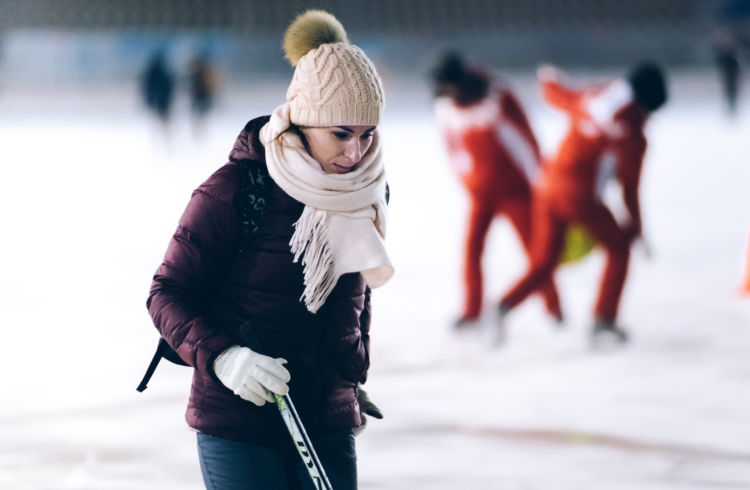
(334, 83)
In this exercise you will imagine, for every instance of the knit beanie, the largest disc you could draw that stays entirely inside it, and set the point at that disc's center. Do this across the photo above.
(334, 83)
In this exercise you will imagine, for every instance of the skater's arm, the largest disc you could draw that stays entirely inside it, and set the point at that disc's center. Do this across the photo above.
(629, 162)
(556, 93)
(195, 263)
(511, 108)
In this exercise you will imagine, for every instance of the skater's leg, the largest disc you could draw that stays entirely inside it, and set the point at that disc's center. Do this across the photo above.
(481, 213)
(519, 213)
(547, 240)
(600, 223)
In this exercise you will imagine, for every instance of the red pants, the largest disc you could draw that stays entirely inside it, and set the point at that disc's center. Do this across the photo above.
(483, 209)
(549, 225)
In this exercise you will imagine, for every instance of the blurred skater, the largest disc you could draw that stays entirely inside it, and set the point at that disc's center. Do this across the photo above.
(203, 81)
(496, 156)
(731, 38)
(157, 85)
(605, 139)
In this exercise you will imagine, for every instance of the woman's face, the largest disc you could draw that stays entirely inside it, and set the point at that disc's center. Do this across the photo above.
(338, 149)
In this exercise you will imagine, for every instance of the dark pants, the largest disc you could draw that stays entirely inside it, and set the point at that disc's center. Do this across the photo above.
(232, 465)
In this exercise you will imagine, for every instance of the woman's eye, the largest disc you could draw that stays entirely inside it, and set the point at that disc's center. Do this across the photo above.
(341, 135)
(366, 136)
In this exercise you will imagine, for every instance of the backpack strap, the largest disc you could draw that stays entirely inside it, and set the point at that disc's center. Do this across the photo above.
(162, 350)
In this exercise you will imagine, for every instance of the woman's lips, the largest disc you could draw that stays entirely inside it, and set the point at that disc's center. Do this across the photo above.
(341, 169)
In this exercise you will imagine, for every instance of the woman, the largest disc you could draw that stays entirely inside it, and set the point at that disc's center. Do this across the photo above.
(496, 156)
(304, 273)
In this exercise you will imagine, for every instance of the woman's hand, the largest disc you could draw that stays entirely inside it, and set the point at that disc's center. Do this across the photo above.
(366, 407)
(252, 376)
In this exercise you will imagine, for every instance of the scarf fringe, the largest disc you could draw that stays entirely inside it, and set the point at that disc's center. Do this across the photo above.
(310, 241)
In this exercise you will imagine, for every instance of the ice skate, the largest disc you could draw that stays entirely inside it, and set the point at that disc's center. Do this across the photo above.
(496, 331)
(559, 320)
(465, 323)
(606, 335)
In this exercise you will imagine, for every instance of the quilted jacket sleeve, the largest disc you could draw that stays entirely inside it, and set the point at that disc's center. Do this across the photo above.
(195, 263)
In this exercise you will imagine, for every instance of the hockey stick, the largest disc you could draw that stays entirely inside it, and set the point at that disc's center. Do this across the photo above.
(302, 442)
(291, 420)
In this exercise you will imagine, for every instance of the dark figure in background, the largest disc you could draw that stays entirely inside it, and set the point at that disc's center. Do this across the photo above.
(203, 82)
(729, 72)
(731, 39)
(157, 87)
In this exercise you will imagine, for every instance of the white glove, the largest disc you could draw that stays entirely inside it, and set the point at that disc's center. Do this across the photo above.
(252, 376)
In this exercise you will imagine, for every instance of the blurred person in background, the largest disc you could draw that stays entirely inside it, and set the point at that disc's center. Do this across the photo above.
(203, 82)
(496, 156)
(731, 38)
(315, 168)
(605, 139)
(157, 86)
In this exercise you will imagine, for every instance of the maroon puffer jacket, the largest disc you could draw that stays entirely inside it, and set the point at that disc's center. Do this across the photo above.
(206, 288)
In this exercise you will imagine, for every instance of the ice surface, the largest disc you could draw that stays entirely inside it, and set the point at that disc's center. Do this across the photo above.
(91, 196)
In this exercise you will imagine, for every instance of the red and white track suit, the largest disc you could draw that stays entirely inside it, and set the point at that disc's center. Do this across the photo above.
(496, 156)
(605, 140)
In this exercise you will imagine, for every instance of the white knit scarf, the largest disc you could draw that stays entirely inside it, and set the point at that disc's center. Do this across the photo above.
(342, 227)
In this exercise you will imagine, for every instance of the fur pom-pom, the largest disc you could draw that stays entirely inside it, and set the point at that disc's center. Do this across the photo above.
(308, 31)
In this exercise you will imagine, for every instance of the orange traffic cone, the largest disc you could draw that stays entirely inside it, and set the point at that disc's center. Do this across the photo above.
(745, 286)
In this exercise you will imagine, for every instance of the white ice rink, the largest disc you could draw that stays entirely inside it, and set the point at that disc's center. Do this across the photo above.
(90, 198)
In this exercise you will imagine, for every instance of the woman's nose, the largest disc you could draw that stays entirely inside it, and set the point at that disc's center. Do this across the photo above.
(354, 150)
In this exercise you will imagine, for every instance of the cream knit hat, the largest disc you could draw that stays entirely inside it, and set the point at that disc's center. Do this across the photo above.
(334, 83)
